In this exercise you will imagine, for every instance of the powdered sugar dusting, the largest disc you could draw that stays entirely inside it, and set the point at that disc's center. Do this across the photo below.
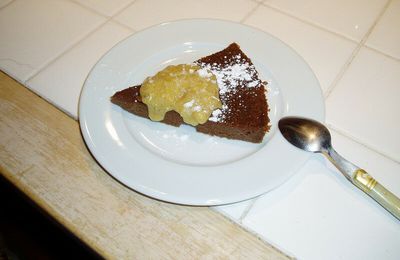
(215, 115)
(197, 108)
(204, 73)
(189, 104)
(236, 72)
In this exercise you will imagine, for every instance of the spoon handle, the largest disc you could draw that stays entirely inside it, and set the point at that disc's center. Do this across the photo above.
(375, 190)
(365, 182)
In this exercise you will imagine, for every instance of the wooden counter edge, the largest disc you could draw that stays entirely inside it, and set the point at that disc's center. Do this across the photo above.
(43, 154)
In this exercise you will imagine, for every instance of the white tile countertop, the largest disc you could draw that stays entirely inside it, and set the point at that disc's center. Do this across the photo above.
(352, 46)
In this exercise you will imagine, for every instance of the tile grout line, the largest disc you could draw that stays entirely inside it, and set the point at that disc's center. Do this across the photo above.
(252, 232)
(123, 8)
(100, 13)
(315, 25)
(247, 210)
(107, 19)
(4, 6)
(62, 53)
(333, 32)
(382, 53)
(75, 2)
(352, 138)
(252, 11)
(353, 55)
(268, 242)
(342, 70)
(110, 17)
(123, 25)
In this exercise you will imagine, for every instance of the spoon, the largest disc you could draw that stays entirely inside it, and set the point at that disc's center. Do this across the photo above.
(312, 136)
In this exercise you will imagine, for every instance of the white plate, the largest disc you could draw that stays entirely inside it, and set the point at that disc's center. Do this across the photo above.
(180, 165)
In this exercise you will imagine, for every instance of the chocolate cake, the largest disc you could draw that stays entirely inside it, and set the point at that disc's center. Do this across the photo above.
(244, 112)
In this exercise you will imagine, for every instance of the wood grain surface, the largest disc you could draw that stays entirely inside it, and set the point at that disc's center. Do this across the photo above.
(42, 152)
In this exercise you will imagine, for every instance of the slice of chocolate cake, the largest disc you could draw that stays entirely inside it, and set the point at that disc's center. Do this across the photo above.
(244, 112)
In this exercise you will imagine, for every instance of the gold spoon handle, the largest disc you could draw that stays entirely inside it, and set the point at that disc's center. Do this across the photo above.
(380, 194)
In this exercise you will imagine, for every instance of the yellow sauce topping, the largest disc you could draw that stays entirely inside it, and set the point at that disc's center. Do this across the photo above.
(188, 89)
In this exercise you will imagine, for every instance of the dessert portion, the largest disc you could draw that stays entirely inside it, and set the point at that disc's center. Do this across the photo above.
(242, 113)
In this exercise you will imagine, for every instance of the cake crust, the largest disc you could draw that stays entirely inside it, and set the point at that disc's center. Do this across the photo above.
(244, 114)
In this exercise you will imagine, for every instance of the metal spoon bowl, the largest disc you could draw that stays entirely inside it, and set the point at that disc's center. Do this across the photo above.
(312, 136)
(306, 134)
